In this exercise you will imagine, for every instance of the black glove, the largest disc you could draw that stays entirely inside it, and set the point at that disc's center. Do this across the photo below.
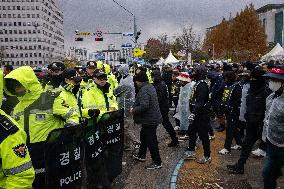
(93, 112)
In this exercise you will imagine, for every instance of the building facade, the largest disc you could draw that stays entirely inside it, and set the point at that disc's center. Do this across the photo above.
(271, 17)
(31, 32)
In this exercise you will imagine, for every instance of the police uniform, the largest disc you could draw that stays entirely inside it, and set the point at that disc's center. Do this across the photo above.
(16, 166)
(39, 112)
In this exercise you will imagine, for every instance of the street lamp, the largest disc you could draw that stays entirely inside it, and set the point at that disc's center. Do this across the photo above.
(135, 26)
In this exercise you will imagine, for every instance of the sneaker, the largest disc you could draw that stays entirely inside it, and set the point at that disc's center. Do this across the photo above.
(236, 147)
(185, 137)
(173, 144)
(190, 155)
(136, 145)
(204, 160)
(236, 169)
(136, 157)
(224, 151)
(177, 128)
(258, 153)
(153, 166)
(182, 132)
(212, 137)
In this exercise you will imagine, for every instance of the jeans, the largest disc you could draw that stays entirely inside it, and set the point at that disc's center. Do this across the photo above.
(149, 140)
(272, 167)
(200, 128)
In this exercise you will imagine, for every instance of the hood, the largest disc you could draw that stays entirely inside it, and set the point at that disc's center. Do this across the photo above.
(1, 86)
(26, 76)
(123, 70)
(201, 72)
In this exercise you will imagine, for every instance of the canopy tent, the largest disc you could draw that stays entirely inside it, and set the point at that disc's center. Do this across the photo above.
(161, 61)
(275, 54)
(171, 59)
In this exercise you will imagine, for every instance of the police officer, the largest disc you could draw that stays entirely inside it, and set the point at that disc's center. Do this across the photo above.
(98, 97)
(199, 106)
(88, 79)
(56, 70)
(38, 112)
(16, 166)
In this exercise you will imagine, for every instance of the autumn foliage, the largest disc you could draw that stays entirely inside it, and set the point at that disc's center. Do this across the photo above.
(240, 39)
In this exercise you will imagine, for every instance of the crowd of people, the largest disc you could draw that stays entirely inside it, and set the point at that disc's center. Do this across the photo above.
(245, 100)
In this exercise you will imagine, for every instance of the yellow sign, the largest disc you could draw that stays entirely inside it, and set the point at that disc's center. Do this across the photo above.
(85, 33)
(138, 52)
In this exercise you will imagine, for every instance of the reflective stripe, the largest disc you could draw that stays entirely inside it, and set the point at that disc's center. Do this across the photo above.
(38, 171)
(18, 169)
(71, 111)
(34, 111)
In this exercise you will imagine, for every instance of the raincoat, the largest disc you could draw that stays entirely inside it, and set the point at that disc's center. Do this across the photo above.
(183, 105)
(273, 129)
(16, 170)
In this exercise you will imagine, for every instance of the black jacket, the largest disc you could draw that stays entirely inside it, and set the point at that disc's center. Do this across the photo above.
(167, 77)
(256, 104)
(163, 96)
(146, 107)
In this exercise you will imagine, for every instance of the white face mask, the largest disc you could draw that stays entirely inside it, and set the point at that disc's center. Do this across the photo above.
(274, 86)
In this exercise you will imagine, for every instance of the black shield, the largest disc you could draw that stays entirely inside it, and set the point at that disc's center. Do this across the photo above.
(97, 177)
(64, 153)
(111, 126)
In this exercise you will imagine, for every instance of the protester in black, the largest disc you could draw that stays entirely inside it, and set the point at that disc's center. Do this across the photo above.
(146, 112)
(163, 96)
(167, 77)
(256, 106)
(231, 105)
(199, 107)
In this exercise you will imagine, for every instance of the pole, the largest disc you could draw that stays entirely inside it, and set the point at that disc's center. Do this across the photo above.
(135, 31)
(213, 52)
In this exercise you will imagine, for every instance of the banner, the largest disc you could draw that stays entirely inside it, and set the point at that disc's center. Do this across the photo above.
(64, 158)
(111, 127)
(97, 175)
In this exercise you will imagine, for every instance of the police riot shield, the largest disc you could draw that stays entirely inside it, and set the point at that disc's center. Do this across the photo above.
(97, 177)
(111, 126)
(64, 153)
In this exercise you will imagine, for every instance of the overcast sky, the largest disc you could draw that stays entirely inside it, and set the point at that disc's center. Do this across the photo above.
(154, 17)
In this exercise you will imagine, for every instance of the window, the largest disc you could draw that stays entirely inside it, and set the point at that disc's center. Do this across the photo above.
(18, 8)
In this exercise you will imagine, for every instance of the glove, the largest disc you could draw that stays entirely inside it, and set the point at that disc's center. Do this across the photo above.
(191, 117)
(93, 112)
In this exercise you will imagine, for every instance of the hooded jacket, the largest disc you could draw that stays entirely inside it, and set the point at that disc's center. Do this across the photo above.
(46, 111)
(273, 129)
(125, 92)
(16, 170)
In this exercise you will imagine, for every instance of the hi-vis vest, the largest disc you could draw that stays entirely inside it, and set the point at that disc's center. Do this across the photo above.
(228, 94)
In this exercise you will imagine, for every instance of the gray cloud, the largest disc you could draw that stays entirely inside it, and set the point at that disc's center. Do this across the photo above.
(154, 17)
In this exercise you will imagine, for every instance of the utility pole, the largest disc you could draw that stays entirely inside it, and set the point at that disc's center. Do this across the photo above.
(135, 26)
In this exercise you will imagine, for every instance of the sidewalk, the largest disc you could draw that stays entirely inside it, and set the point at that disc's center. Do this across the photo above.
(214, 175)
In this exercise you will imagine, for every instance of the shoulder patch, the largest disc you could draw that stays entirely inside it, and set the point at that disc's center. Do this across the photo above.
(7, 127)
(20, 150)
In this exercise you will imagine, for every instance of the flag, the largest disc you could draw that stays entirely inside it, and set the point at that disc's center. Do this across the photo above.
(138, 52)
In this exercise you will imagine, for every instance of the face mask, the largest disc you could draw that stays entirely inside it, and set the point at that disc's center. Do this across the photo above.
(274, 86)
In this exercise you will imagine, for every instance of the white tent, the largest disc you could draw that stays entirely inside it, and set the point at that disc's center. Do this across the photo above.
(171, 59)
(275, 53)
(161, 61)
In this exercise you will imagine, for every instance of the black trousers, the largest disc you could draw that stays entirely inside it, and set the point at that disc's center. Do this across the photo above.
(232, 131)
(148, 138)
(169, 127)
(200, 128)
(253, 133)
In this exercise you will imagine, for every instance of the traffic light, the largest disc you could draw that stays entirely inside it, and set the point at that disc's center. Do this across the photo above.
(137, 35)
(79, 39)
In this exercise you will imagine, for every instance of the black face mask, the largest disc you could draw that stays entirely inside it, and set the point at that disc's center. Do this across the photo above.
(56, 80)
(257, 84)
(75, 89)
